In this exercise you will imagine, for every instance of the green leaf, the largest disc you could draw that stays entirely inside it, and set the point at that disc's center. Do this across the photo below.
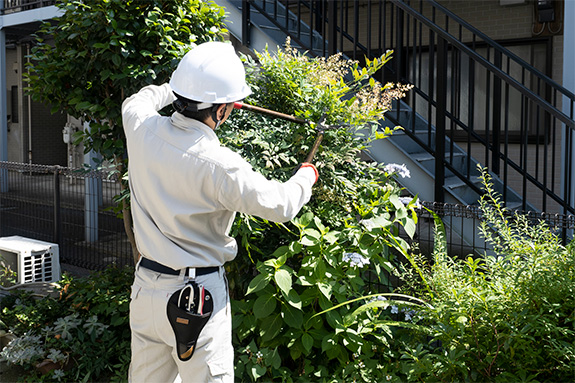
(325, 289)
(270, 327)
(264, 306)
(258, 283)
(283, 280)
(257, 371)
(307, 341)
(409, 226)
(294, 299)
(292, 316)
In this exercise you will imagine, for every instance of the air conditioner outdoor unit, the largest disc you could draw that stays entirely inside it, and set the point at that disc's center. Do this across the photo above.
(33, 260)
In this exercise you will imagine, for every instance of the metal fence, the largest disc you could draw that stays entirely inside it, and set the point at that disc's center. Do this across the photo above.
(73, 208)
(9, 6)
(70, 207)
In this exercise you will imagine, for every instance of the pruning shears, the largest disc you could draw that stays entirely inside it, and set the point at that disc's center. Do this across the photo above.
(320, 127)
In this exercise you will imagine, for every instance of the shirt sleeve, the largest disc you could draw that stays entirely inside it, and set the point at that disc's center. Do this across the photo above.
(144, 104)
(246, 191)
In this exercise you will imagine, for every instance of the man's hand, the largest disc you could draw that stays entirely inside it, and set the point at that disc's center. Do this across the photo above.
(308, 165)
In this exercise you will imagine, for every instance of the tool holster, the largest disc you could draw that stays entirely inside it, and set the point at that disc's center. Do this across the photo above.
(189, 309)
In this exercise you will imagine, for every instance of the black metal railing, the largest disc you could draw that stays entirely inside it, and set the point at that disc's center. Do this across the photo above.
(11, 6)
(70, 207)
(504, 112)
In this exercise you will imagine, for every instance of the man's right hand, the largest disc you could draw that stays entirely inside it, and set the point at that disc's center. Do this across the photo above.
(308, 165)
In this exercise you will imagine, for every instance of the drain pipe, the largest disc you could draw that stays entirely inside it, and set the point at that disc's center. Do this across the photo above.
(3, 105)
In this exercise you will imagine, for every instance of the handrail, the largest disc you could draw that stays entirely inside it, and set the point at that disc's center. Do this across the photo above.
(492, 68)
(501, 49)
(514, 118)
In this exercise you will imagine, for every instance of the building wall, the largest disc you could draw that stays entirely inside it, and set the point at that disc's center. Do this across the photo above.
(509, 22)
(15, 122)
(47, 146)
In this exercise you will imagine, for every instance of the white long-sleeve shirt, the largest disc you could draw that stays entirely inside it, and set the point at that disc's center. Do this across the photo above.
(186, 188)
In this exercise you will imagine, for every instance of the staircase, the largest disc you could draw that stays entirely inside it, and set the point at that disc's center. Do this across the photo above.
(410, 148)
(442, 106)
(266, 23)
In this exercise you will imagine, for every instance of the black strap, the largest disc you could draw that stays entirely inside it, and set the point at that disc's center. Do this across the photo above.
(159, 268)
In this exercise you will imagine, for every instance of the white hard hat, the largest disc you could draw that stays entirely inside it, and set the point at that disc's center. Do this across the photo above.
(211, 73)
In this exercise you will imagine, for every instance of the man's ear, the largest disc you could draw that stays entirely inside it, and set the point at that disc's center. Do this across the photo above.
(221, 112)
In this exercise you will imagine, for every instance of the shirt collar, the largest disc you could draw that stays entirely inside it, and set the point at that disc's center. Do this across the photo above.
(185, 123)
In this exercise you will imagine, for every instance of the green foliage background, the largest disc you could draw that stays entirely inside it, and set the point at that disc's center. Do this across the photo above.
(105, 50)
(101, 51)
(87, 326)
(286, 274)
(508, 316)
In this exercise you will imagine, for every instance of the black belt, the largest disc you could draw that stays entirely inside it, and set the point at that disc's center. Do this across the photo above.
(158, 267)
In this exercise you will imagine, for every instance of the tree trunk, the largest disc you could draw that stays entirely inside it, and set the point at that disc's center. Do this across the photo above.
(126, 213)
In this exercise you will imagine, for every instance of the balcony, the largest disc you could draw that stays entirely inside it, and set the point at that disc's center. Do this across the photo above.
(13, 6)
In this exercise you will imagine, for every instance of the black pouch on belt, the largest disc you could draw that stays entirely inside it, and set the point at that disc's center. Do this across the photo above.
(189, 309)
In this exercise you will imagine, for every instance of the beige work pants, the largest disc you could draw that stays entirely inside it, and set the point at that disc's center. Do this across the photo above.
(154, 358)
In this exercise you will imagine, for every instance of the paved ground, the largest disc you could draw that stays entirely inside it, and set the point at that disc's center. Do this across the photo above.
(10, 374)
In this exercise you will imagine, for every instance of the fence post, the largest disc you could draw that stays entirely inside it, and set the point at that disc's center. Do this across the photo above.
(92, 198)
(57, 206)
(332, 27)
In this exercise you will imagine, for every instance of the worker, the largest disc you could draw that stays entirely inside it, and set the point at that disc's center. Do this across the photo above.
(185, 192)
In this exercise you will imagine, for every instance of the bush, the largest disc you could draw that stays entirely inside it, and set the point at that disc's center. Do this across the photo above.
(83, 335)
(506, 316)
(340, 247)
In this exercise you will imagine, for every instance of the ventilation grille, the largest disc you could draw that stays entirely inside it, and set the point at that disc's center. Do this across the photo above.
(33, 260)
(38, 267)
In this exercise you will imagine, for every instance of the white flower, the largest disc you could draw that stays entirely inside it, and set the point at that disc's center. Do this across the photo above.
(409, 314)
(394, 309)
(407, 200)
(378, 298)
(402, 170)
(388, 377)
(355, 259)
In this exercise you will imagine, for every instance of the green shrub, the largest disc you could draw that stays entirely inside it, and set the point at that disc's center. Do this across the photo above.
(340, 246)
(506, 316)
(85, 331)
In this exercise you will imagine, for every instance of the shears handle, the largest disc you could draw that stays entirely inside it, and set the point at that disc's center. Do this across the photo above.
(273, 113)
(315, 147)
